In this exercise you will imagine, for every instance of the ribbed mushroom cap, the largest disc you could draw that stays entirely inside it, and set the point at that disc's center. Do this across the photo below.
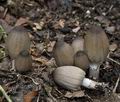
(96, 44)
(69, 77)
(23, 62)
(17, 40)
(63, 53)
(78, 44)
(81, 60)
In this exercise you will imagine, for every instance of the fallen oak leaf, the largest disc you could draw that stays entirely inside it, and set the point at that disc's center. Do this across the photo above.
(76, 94)
(21, 21)
(62, 23)
(30, 95)
(113, 47)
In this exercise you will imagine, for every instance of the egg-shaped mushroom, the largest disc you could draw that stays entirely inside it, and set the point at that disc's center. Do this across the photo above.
(17, 40)
(23, 62)
(81, 60)
(71, 78)
(97, 48)
(63, 53)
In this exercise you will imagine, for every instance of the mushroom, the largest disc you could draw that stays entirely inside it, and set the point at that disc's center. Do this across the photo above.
(17, 41)
(78, 44)
(97, 48)
(23, 62)
(63, 53)
(71, 77)
(81, 60)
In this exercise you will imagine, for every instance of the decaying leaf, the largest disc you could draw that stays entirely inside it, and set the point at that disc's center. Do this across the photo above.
(41, 60)
(113, 47)
(2, 53)
(62, 22)
(30, 95)
(103, 20)
(2, 32)
(76, 94)
(75, 30)
(21, 21)
(38, 26)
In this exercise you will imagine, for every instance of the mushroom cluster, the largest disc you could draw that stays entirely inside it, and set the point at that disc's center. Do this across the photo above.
(83, 54)
(17, 47)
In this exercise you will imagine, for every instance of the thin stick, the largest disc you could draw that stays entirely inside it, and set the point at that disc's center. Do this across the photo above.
(36, 83)
(5, 94)
(117, 82)
(108, 57)
(113, 60)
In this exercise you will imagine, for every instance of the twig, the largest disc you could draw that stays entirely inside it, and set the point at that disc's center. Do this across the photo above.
(117, 82)
(5, 12)
(5, 94)
(36, 83)
(114, 61)
(38, 98)
(108, 57)
(109, 10)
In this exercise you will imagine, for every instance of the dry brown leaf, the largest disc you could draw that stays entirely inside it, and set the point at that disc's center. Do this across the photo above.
(113, 47)
(75, 94)
(62, 23)
(41, 60)
(50, 46)
(10, 19)
(30, 95)
(103, 20)
(77, 23)
(21, 21)
(38, 26)
(51, 63)
(75, 30)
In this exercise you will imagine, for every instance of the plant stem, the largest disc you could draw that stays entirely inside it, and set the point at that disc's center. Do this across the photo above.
(5, 94)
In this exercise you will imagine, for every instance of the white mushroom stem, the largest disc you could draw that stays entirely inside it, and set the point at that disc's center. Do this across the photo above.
(13, 65)
(90, 84)
(94, 71)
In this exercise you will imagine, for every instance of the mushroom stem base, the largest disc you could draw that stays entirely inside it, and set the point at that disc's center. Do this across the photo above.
(94, 71)
(90, 84)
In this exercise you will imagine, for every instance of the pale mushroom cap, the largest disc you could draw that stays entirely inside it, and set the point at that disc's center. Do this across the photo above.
(69, 77)
(63, 53)
(17, 40)
(78, 44)
(96, 44)
(23, 62)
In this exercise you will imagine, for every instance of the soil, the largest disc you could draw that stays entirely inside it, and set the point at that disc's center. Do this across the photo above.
(45, 20)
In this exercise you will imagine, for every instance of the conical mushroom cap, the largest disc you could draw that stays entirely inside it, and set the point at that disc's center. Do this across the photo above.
(63, 53)
(81, 60)
(17, 41)
(23, 62)
(96, 44)
(78, 44)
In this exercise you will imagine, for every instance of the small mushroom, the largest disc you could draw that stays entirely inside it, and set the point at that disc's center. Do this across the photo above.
(63, 53)
(78, 44)
(17, 41)
(23, 61)
(97, 48)
(81, 60)
(71, 77)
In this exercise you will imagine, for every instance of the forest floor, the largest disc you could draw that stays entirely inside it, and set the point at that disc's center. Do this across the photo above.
(45, 20)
